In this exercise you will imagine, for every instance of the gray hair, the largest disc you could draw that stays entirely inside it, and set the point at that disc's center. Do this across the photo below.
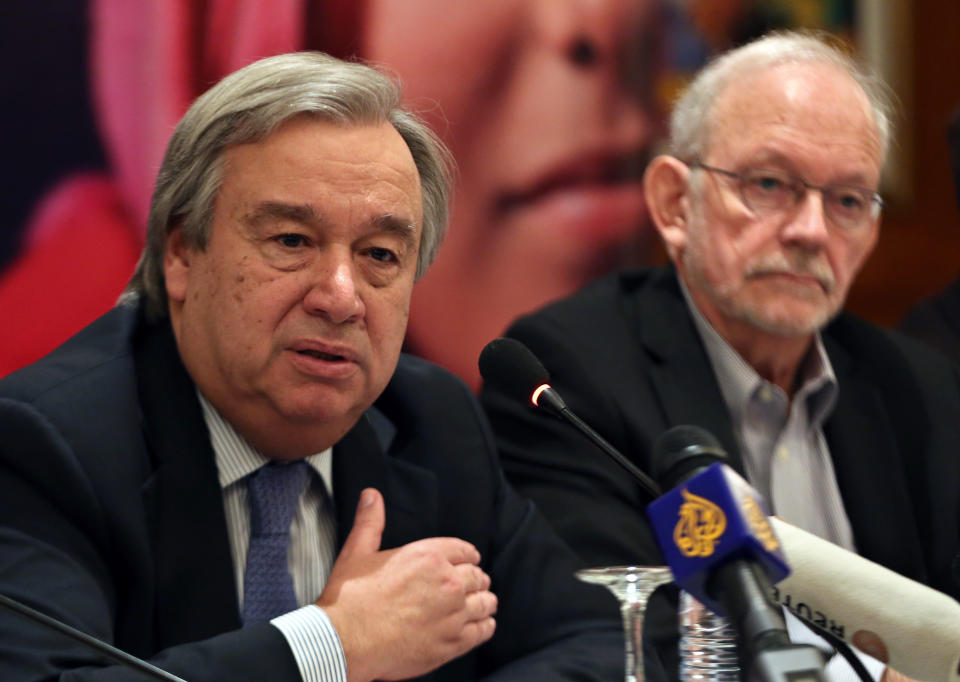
(247, 106)
(690, 123)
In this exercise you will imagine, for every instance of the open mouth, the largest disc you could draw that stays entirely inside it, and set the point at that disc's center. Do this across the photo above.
(320, 355)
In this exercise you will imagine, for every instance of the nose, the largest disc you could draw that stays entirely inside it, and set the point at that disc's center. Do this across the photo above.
(607, 52)
(807, 227)
(587, 32)
(333, 291)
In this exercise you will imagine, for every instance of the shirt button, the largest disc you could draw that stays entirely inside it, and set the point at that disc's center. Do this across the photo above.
(783, 453)
(766, 395)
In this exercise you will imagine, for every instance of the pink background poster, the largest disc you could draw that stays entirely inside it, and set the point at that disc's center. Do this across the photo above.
(551, 109)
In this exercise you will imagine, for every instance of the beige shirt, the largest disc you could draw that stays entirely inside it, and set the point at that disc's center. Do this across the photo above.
(785, 454)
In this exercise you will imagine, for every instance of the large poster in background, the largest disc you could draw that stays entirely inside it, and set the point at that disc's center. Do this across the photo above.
(550, 107)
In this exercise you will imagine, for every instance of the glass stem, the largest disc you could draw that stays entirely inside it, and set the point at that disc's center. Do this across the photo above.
(632, 610)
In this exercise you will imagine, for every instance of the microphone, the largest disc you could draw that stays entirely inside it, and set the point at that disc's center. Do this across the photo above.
(714, 517)
(512, 368)
(714, 532)
(88, 640)
(850, 596)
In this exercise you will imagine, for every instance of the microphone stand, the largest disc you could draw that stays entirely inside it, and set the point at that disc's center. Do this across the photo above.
(107, 650)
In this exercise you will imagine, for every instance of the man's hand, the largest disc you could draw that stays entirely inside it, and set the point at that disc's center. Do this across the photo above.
(403, 612)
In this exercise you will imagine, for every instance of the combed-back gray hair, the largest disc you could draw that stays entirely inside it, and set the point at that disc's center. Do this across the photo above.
(690, 123)
(247, 106)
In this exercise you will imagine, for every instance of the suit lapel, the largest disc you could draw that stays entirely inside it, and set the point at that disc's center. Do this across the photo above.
(863, 448)
(410, 492)
(862, 444)
(195, 596)
(196, 593)
(680, 370)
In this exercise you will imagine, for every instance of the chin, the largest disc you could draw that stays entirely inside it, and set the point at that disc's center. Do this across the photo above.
(793, 313)
(792, 323)
(316, 407)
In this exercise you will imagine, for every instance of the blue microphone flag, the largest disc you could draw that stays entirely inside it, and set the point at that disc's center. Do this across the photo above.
(711, 518)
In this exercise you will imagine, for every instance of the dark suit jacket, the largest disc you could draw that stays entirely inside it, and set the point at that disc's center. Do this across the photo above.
(625, 355)
(112, 520)
(936, 320)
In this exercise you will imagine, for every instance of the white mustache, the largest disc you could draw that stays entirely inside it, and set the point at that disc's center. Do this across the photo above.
(795, 263)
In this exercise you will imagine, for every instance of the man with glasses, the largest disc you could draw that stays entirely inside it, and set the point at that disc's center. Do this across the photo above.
(768, 207)
(770, 191)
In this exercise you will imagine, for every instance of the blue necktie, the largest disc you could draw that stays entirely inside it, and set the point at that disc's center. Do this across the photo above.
(273, 492)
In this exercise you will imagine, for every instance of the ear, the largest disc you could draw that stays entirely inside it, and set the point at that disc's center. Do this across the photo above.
(176, 266)
(666, 185)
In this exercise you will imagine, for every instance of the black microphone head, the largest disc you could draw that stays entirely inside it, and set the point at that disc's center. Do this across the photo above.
(683, 451)
(511, 367)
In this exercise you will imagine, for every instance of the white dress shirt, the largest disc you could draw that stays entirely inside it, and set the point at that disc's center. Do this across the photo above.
(313, 535)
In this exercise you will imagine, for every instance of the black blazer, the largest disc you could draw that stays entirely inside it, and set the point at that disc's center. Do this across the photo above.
(625, 355)
(112, 520)
(936, 320)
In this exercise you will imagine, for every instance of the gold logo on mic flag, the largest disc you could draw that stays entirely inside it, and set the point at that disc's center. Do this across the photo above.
(700, 526)
(759, 523)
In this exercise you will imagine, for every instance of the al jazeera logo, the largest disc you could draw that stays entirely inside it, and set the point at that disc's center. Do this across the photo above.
(702, 524)
(700, 527)
(759, 524)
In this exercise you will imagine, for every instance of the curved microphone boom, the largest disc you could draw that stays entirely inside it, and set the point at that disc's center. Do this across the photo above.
(89, 641)
(684, 452)
(512, 368)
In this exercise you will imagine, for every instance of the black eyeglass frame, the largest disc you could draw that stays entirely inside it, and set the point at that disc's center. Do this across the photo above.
(876, 201)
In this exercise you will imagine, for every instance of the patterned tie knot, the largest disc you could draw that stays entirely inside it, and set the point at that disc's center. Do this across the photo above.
(274, 491)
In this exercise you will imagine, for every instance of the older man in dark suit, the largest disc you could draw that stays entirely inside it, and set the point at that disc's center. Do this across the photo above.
(768, 208)
(236, 473)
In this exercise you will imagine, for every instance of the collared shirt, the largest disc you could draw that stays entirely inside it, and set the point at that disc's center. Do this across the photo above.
(312, 638)
(785, 453)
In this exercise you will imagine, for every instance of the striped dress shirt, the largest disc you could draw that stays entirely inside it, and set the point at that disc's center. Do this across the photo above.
(309, 632)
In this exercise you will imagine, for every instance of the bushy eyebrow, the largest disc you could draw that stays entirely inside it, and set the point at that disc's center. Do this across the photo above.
(272, 210)
(306, 214)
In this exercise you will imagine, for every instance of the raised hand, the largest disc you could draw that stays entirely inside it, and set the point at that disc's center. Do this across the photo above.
(405, 611)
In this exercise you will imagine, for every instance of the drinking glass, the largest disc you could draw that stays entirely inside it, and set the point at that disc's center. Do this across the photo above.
(632, 586)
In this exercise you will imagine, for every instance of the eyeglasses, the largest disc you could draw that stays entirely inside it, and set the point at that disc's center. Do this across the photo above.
(770, 191)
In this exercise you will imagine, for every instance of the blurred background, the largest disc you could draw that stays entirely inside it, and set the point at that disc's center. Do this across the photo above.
(551, 108)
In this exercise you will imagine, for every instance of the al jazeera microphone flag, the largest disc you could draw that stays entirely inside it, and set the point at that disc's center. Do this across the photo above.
(710, 518)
